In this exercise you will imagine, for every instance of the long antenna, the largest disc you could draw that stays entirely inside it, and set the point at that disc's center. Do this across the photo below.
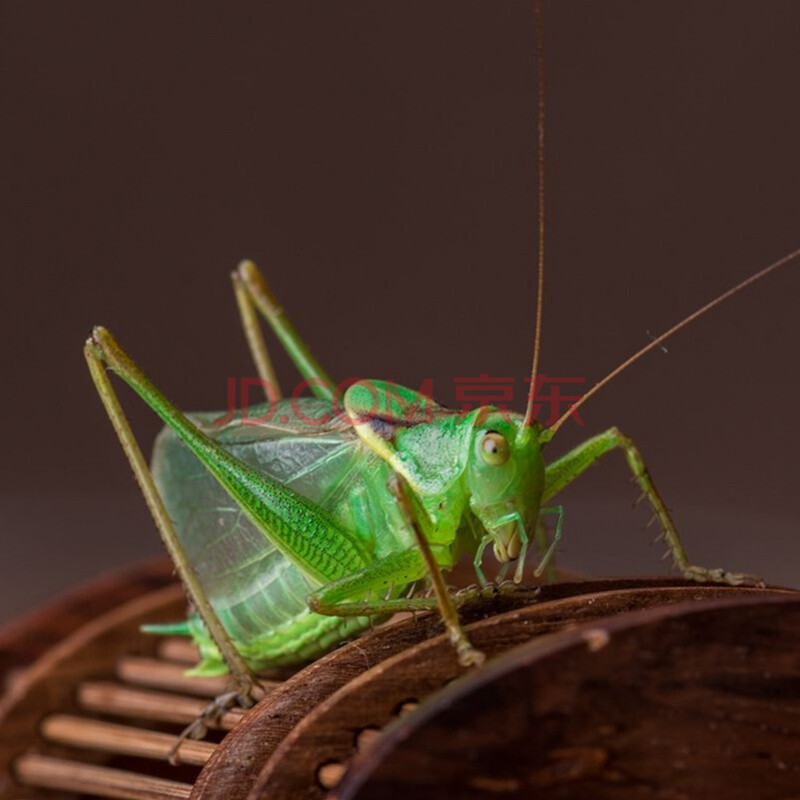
(674, 329)
(540, 160)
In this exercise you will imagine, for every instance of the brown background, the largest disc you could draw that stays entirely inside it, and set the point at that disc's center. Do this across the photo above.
(378, 160)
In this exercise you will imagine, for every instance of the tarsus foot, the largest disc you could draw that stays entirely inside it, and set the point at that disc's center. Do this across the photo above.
(704, 575)
(468, 656)
(212, 714)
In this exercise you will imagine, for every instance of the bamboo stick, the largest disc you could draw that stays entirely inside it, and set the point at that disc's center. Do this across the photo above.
(106, 697)
(123, 739)
(72, 776)
(181, 650)
(163, 675)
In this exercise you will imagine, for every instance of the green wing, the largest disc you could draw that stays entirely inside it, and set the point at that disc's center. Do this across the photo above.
(253, 586)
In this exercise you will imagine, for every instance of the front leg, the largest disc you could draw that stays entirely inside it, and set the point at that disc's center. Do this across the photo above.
(564, 470)
(548, 551)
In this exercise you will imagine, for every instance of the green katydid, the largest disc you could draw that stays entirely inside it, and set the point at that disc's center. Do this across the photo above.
(290, 537)
(290, 534)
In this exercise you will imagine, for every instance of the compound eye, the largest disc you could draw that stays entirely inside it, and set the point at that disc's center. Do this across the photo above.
(494, 449)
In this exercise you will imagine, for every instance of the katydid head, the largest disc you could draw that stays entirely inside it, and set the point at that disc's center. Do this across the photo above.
(487, 459)
(505, 479)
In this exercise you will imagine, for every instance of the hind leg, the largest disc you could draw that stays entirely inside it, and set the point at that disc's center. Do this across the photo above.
(100, 350)
(253, 292)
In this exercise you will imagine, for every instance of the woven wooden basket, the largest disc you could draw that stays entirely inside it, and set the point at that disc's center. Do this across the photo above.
(594, 689)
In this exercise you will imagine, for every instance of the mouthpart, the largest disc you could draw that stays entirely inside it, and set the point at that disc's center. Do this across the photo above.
(507, 546)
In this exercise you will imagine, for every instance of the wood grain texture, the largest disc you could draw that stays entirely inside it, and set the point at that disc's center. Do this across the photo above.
(278, 749)
(88, 779)
(108, 737)
(97, 713)
(108, 697)
(25, 639)
(92, 651)
(332, 732)
(698, 700)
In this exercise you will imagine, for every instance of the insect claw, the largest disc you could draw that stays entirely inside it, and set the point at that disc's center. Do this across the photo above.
(211, 714)
(468, 656)
(196, 730)
(722, 576)
(199, 732)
